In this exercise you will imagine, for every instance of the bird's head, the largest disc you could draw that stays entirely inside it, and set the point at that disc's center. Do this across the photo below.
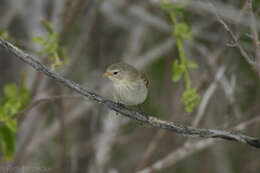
(121, 73)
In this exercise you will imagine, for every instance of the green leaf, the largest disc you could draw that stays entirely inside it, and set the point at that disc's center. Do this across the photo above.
(12, 125)
(4, 34)
(11, 90)
(10, 107)
(52, 46)
(7, 141)
(24, 97)
(167, 6)
(190, 99)
(182, 30)
(63, 55)
(57, 62)
(15, 99)
(178, 71)
(39, 40)
(48, 25)
(191, 64)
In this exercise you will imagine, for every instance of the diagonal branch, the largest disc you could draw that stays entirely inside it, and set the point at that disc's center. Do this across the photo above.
(254, 31)
(189, 148)
(141, 117)
(235, 40)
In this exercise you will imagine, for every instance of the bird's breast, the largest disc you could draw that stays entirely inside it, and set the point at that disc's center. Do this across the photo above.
(131, 93)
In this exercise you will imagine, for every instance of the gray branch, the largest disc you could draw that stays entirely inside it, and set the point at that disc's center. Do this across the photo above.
(141, 117)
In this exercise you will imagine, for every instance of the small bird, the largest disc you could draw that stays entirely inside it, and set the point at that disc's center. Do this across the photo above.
(129, 83)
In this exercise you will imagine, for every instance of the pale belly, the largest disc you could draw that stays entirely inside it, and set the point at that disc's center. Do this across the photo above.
(131, 95)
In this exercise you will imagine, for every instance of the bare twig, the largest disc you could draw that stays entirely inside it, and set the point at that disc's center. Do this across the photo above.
(226, 11)
(44, 100)
(148, 18)
(141, 117)
(71, 18)
(16, 9)
(190, 148)
(83, 43)
(254, 65)
(208, 94)
(253, 27)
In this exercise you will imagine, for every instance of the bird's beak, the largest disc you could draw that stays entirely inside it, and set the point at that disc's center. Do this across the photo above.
(107, 74)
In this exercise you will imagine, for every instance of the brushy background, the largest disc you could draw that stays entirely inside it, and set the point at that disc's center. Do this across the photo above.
(198, 78)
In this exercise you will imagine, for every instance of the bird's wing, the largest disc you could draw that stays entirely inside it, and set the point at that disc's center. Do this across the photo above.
(144, 77)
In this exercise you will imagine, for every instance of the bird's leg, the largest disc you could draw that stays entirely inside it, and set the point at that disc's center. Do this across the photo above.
(142, 112)
(117, 113)
(116, 99)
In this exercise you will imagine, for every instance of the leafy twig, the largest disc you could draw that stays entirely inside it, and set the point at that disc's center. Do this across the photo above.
(182, 32)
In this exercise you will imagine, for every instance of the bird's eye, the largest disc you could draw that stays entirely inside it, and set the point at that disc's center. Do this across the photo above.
(115, 73)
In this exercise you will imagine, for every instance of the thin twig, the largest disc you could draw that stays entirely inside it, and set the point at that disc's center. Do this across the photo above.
(237, 44)
(71, 18)
(43, 100)
(35, 103)
(190, 148)
(253, 27)
(141, 117)
(83, 42)
(206, 98)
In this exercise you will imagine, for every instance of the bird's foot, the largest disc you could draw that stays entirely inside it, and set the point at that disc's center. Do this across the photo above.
(142, 112)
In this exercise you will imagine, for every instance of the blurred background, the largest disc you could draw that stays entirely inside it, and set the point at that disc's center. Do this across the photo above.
(59, 131)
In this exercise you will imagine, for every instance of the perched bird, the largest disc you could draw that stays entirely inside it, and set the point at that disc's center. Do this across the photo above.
(129, 83)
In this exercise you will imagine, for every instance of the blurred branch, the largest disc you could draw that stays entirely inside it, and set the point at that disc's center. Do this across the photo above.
(228, 87)
(57, 16)
(253, 64)
(148, 18)
(155, 53)
(78, 112)
(190, 148)
(206, 98)
(103, 146)
(136, 41)
(229, 90)
(17, 9)
(141, 117)
(226, 11)
(44, 100)
(71, 18)
(84, 41)
(114, 16)
(253, 27)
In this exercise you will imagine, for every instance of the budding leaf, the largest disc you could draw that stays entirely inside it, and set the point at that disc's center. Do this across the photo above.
(191, 64)
(39, 40)
(190, 99)
(182, 30)
(48, 25)
(4, 34)
(167, 6)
